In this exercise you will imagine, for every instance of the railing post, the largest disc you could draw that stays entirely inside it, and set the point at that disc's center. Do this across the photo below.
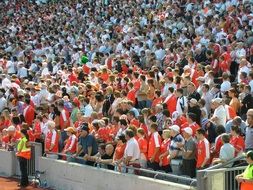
(201, 180)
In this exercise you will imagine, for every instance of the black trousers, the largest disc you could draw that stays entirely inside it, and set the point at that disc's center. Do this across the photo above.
(23, 169)
(155, 166)
(189, 168)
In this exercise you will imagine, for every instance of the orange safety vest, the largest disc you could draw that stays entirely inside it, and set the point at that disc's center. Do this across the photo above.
(25, 152)
(246, 186)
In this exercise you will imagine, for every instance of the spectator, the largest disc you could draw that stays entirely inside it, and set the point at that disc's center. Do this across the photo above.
(51, 141)
(219, 115)
(143, 145)
(227, 151)
(182, 106)
(154, 147)
(189, 153)
(237, 140)
(203, 150)
(119, 150)
(164, 152)
(249, 131)
(194, 108)
(132, 151)
(237, 121)
(71, 143)
(87, 145)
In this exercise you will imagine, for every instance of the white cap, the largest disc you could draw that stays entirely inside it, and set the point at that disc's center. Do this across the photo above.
(193, 101)
(188, 130)
(187, 67)
(175, 128)
(11, 128)
(217, 100)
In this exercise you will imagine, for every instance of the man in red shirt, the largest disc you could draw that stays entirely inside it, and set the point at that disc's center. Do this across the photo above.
(154, 147)
(133, 121)
(64, 123)
(203, 149)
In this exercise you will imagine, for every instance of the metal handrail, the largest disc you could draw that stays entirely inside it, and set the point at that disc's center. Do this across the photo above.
(191, 181)
(222, 165)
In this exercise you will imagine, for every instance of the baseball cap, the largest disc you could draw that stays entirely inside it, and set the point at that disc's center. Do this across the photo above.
(193, 101)
(84, 127)
(188, 130)
(217, 100)
(175, 128)
(70, 129)
(11, 128)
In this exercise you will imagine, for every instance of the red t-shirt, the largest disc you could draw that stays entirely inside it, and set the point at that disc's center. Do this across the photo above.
(143, 144)
(203, 152)
(163, 149)
(238, 143)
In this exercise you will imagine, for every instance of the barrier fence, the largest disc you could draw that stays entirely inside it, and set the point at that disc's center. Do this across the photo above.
(212, 178)
(144, 172)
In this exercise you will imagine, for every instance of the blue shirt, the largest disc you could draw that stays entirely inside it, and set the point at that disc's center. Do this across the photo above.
(88, 141)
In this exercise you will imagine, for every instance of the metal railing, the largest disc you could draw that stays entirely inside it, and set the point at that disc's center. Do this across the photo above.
(222, 173)
(33, 163)
(230, 182)
(146, 172)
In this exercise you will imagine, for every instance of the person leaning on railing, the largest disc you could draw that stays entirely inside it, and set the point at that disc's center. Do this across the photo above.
(246, 178)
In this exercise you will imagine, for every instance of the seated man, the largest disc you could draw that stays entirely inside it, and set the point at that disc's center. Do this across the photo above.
(227, 151)
(104, 158)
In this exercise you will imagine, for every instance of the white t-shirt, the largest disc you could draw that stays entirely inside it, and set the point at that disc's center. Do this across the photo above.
(220, 113)
(225, 86)
(132, 149)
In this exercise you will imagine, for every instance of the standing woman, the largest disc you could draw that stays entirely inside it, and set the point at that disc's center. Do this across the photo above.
(23, 154)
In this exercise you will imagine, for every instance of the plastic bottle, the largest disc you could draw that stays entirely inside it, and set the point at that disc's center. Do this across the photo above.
(98, 165)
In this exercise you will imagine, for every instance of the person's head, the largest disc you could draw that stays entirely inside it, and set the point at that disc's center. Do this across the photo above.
(191, 117)
(121, 139)
(193, 102)
(220, 129)
(225, 138)
(109, 149)
(187, 132)
(24, 133)
(70, 131)
(174, 130)
(166, 134)
(249, 157)
(179, 92)
(216, 102)
(237, 121)
(205, 88)
(158, 108)
(130, 115)
(235, 130)
(191, 87)
(140, 132)
(60, 105)
(200, 134)
(250, 117)
(11, 130)
(51, 125)
(232, 93)
(129, 134)
(84, 129)
(123, 123)
(153, 127)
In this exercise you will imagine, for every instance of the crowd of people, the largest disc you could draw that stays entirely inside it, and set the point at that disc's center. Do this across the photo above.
(143, 83)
